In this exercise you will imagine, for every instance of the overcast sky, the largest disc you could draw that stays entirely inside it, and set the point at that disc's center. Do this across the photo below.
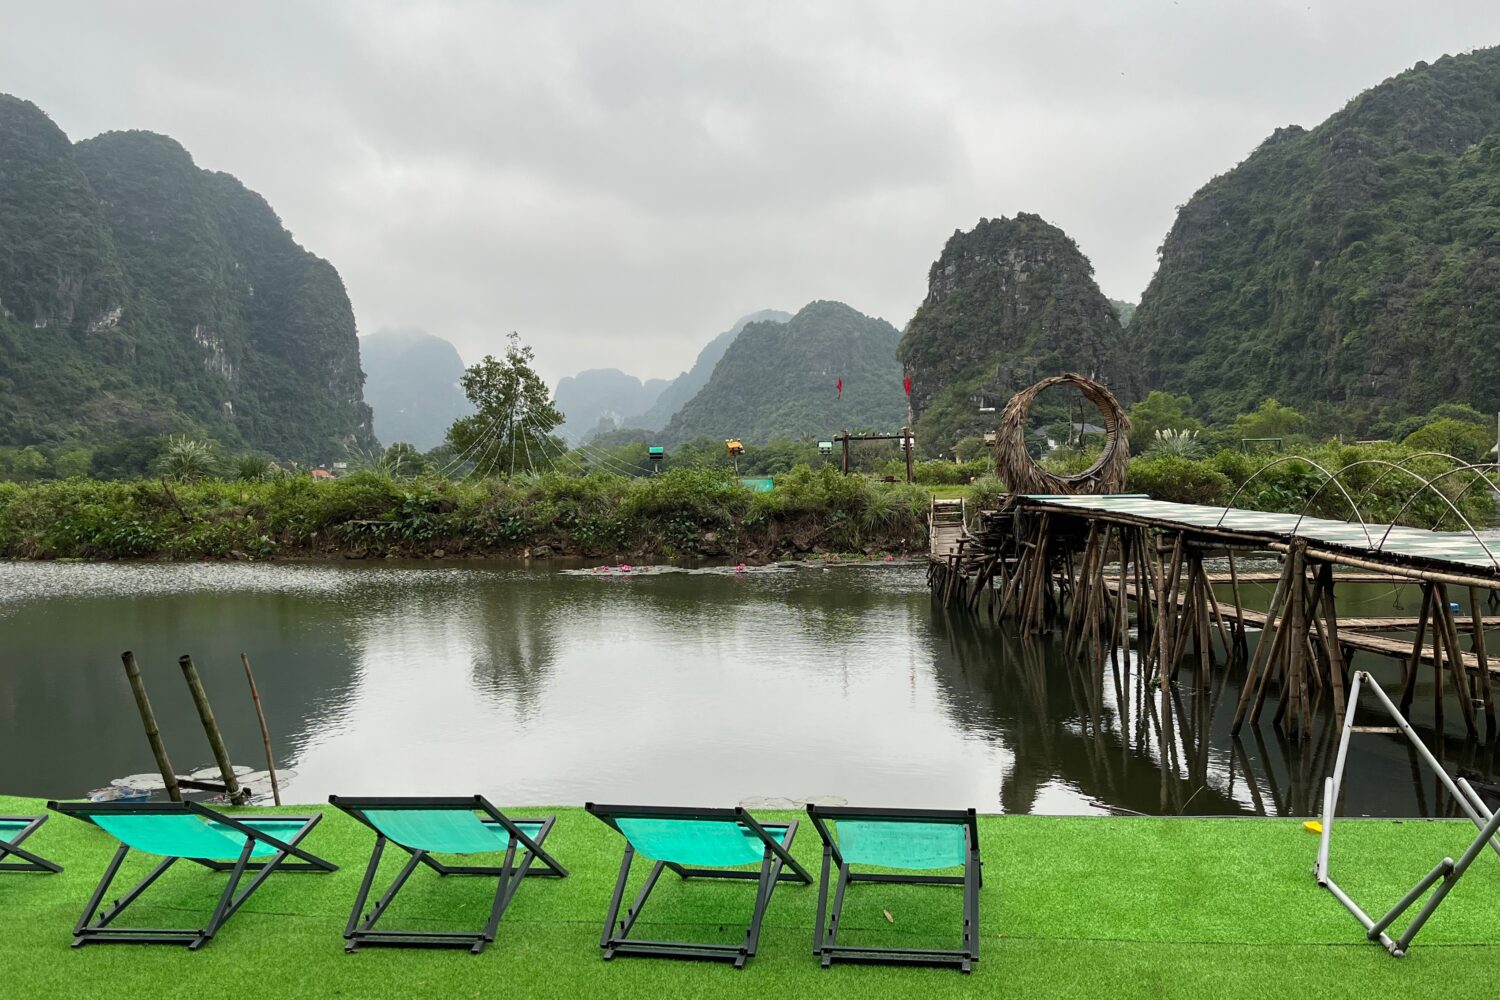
(618, 182)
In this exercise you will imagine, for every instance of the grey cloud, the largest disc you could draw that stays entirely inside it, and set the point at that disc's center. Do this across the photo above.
(620, 181)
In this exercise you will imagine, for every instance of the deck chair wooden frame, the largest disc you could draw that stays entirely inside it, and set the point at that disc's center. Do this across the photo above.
(258, 850)
(772, 840)
(826, 945)
(497, 833)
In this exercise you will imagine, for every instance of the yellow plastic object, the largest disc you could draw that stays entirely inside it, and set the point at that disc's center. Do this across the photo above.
(1313, 826)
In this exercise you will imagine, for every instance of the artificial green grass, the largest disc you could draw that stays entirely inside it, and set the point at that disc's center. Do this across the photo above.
(1071, 907)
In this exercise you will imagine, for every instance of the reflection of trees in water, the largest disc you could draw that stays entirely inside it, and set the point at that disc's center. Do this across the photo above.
(1103, 731)
(515, 630)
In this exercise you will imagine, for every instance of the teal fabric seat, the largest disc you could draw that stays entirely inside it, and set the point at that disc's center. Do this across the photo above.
(14, 830)
(695, 844)
(183, 835)
(424, 826)
(235, 843)
(913, 846)
(445, 831)
(699, 842)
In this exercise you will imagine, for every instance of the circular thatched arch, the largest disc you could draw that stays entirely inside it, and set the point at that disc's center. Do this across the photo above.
(1023, 475)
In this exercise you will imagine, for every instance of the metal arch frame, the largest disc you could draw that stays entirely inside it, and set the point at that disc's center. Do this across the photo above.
(1411, 458)
(1427, 484)
(1478, 470)
(1328, 477)
(1446, 873)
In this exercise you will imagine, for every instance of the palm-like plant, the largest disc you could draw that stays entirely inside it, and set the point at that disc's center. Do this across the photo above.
(1181, 443)
(187, 460)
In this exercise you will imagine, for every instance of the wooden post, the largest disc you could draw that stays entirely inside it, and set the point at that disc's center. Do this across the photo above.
(211, 727)
(1484, 660)
(911, 475)
(845, 438)
(1334, 649)
(1409, 682)
(265, 732)
(148, 719)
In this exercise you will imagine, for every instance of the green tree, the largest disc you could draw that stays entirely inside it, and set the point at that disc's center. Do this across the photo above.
(1160, 411)
(511, 428)
(1460, 438)
(1269, 420)
(403, 459)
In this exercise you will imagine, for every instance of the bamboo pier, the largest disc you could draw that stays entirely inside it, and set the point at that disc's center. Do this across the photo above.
(1113, 576)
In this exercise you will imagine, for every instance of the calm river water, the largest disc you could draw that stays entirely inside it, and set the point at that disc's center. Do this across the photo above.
(536, 686)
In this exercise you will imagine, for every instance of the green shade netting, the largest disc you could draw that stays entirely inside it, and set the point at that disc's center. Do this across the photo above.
(892, 844)
(445, 831)
(703, 842)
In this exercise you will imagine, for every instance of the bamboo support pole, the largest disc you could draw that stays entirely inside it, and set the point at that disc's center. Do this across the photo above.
(1484, 661)
(148, 720)
(1456, 660)
(210, 727)
(1409, 681)
(265, 732)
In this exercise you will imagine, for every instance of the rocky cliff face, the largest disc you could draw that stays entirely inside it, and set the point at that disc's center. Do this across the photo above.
(1354, 265)
(1008, 303)
(142, 294)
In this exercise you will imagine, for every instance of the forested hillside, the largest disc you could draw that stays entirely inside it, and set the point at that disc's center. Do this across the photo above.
(141, 295)
(779, 380)
(1354, 266)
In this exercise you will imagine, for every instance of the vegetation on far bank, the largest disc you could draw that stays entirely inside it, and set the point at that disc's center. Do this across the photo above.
(683, 513)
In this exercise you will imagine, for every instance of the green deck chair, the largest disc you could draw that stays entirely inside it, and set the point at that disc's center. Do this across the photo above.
(187, 831)
(13, 830)
(423, 827)
(913, 840)
(696, 843)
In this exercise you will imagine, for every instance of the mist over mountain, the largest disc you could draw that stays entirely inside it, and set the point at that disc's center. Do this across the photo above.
(412, 384)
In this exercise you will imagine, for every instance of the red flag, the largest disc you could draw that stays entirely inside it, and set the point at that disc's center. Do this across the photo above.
(908, 385)
(841, 387)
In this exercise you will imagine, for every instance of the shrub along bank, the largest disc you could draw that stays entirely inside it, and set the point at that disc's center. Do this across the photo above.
(685, 513)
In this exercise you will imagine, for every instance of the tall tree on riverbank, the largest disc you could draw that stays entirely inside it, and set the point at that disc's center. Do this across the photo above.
(511, 428)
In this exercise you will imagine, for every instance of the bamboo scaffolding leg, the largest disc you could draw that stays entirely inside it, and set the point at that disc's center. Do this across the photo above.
(1484, 662)
(1335, 648)
(1239, 607)
(1456, 661)
(1409, 682)
(1257, 667)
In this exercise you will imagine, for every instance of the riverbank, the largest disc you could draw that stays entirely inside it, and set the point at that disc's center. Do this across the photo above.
(1071, 907)
(682, 514)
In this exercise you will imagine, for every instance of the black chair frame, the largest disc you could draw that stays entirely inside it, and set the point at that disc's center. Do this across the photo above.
(825, 932)
(361, 930)
(12, 848)
(616, 941)
(94, 927)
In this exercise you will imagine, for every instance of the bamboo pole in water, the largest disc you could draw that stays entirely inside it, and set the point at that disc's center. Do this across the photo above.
(1484, 660)
(148, 719)
(265, 732)
(211, 727)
